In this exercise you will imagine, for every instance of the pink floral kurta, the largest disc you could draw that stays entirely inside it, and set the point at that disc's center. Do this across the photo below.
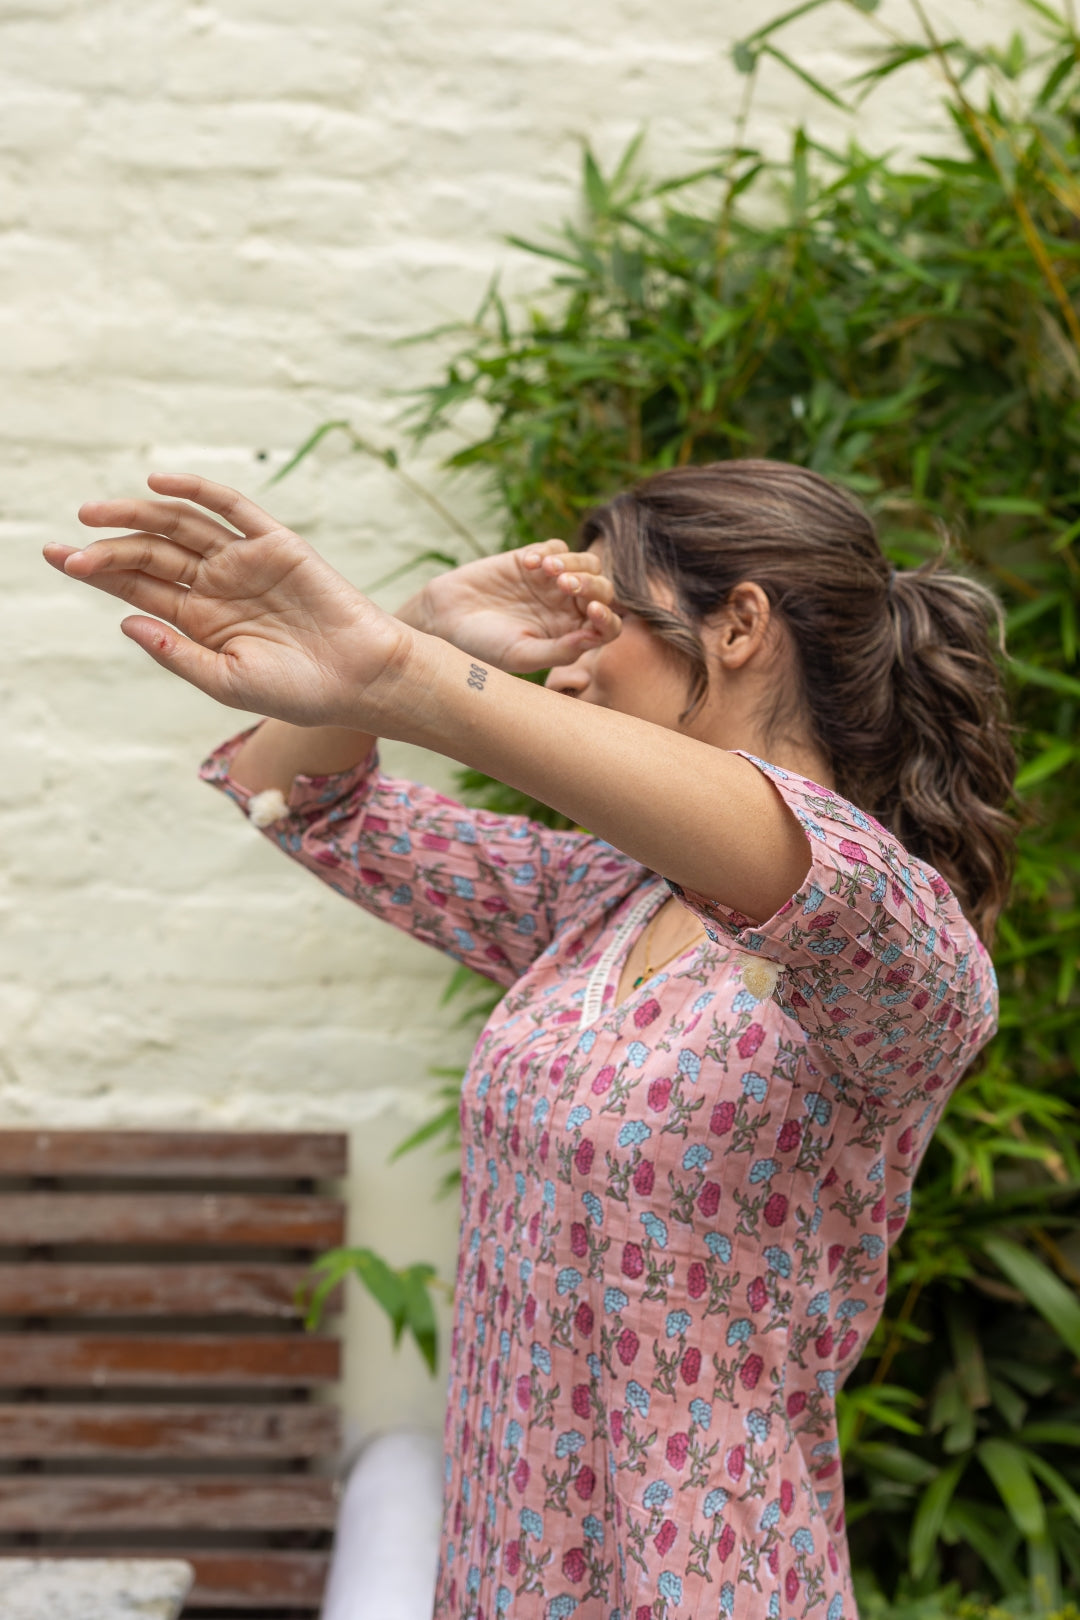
(676, 1212)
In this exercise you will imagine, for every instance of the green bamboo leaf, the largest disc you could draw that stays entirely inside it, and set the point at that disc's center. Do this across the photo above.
(1045, 765)
(744, 58)
(802, 73)
(1007, 1465)
(1052, 679)
(1051, 1434)
(1069, 1499)
(930, 1516)
(445, 1120)
(1054, 1301)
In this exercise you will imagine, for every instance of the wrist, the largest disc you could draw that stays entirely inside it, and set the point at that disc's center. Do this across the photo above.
(417, 613)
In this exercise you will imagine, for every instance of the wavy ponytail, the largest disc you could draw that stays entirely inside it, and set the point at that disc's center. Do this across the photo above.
(897, 676)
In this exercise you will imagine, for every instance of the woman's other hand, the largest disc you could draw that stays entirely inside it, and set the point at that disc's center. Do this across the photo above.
(521, 611)
(255, 618)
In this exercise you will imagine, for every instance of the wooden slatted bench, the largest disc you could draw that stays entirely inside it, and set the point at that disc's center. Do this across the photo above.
(158, 1391)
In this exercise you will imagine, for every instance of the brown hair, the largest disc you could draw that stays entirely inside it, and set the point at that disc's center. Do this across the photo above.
(896, 675)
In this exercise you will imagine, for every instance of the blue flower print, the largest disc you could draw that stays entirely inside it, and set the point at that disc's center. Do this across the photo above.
(778, 1260)
(758, 1425)
(577, 1117)
(701, 1412)
(714, 1503)
(803, 1541)
(464, 940)
(697, 1157)
(594, 1530)
(744, 1001)
(615, 1301)
(503, 1599)
(719, 1246)
(633, 1133)
(819, 1304)
(464, 886)
(813, 900)
(561, 1607)
(586, 1040)
(835, 1611)
(541, 1358)
(541, 1110)
(826, 1382)
(638, 1397)
(848, 1308)
(532, 1523)
(677, 1322)
(689, 1064)
(703, 1001)
(657, 1495)
(770, 1515)
(636, 1054)
(593, 1207)
(567, 1280)
(670, 1586)
(763, 1170)
(570, 1443)
(594, 1364)
(818, 1107)
(514, 1433)
(655, 1228)
(472, 1579)
(401, 896)
(464, 832)
(755, 1086)
(739, 1331)
(727, 1599)
(525, 873)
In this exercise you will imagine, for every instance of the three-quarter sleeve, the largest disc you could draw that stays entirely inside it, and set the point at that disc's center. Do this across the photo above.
(487, 889)
(878, 963)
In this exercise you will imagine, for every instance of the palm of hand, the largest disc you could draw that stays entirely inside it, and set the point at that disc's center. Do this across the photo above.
(524, 610)
(264, 623)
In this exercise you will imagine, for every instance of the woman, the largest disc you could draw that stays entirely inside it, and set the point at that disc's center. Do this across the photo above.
(735, 1007)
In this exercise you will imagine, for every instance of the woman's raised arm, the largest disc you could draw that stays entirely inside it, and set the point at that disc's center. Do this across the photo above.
(262, 623)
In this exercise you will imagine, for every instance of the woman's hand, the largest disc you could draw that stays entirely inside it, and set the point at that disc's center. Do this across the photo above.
(520, 610)
(261, 621)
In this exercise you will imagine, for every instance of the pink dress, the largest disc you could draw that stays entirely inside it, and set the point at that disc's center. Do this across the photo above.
(676, 1212)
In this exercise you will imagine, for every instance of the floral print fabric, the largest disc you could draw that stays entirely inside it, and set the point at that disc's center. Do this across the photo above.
(676, 1212)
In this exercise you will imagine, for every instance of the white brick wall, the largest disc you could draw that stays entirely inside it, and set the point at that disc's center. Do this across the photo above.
(214, 221)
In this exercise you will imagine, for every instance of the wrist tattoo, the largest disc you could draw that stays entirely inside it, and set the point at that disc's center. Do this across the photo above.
(477, 677)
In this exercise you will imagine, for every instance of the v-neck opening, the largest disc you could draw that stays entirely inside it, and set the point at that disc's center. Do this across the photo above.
(614, 956)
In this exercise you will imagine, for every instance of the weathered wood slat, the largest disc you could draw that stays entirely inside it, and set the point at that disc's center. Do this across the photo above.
(69, 1360)
(236, 1433)
(215, 1219)
(206, 1288)
(78, 1503)
(266, 1580)
(317, 1155)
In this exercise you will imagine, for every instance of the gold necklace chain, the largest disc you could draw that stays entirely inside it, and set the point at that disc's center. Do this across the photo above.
(648, 970)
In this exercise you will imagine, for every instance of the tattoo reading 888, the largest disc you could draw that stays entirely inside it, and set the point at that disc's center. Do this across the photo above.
(477, 676)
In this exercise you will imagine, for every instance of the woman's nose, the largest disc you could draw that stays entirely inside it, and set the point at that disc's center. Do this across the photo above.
(569, 679)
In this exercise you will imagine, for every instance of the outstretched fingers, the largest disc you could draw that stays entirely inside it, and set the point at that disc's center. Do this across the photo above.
(173, 520)
(141, 553)
(228, 503)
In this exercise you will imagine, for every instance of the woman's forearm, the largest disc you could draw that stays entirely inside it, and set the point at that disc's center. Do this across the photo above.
(697, 814)
(277, 752)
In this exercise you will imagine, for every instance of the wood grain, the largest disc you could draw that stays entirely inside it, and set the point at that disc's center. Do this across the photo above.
(315, 1155)
(205, 1288)
(232, 1433)
(103, 1360)
(76, 1503)
(218, 1220)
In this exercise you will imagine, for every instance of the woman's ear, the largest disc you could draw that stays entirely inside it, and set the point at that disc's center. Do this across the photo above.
(739, 631)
